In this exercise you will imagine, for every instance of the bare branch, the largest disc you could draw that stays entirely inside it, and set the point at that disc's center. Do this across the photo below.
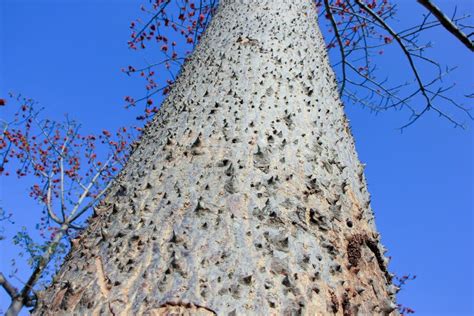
(49, 202)
(61, 164)
(448, 24)
(339, 41)
(139, 33)
(90, 204)
(9, 288)
(73, 216)
(421, 86)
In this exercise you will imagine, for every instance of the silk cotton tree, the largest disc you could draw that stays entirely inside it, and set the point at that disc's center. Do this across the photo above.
(245, 195)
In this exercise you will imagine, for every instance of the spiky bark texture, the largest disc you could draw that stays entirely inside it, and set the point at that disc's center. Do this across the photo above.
(245, 195)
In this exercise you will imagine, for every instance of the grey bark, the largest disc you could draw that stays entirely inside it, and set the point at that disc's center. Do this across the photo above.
(245, 195)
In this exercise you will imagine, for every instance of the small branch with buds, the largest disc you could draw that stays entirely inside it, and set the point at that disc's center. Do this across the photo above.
(55, 153)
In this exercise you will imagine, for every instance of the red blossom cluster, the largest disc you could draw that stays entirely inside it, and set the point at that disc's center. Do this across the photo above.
(66, 169)
(182, 21)
(353, 24)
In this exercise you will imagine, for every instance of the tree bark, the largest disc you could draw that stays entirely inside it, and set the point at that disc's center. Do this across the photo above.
(245, 195)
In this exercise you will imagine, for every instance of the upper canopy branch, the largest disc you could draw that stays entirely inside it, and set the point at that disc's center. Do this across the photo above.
(448, 24)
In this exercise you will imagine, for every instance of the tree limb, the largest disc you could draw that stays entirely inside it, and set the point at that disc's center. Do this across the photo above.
(447, 23)
(339, 41)
(9, 288)
(421, 85)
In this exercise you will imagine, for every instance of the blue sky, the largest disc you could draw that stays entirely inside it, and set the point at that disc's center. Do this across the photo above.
(68, 54)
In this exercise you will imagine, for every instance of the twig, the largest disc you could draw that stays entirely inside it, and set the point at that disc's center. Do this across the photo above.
(339, 41)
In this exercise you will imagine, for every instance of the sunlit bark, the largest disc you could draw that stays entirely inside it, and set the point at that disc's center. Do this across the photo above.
(245, 195)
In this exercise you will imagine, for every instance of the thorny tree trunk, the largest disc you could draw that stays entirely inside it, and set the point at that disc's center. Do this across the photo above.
(245, 195)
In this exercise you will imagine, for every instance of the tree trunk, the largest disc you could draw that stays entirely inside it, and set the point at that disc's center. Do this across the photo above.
(245, 195)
